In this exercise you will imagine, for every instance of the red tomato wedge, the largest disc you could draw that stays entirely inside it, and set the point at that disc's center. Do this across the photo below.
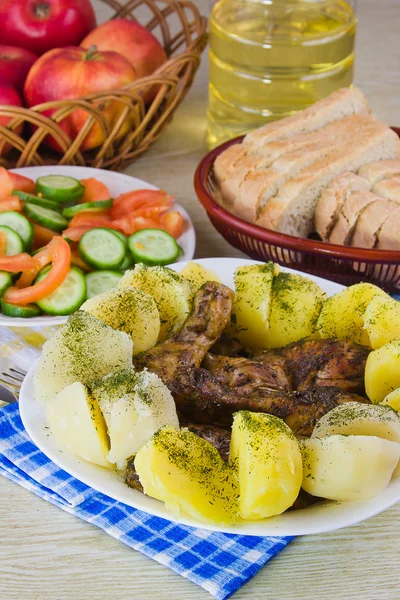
(41, 236)
(60, 255)
(11, 203)
(85, 217)
(3, 243)
(22, 184)
(6, 184)
(17, 263)
(41, 259)
(172, 222)
(132, 201)
(94, 190)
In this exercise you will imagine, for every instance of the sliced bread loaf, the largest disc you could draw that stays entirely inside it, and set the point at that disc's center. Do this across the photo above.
(389, 189)
(351, 210)
(380, 169)
(370, 221)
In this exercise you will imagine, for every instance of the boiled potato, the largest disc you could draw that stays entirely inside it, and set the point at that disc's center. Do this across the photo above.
(356, 418)
(342, 314)
(253, 285)
(267, 458)
(295, 307)
(382, 321)
(187, 473)
(130, 310)
(74, 417)
(109, 389)
(353, 467)
(382, 371)
(83, 350)
(392, 400)
(135, 417)
(172, 293)
(197, 275)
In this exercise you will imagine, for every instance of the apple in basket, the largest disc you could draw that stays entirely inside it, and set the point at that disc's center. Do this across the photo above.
(15, 64)
(136, 43)
(40, 25)
(71, 73)
(10, 97)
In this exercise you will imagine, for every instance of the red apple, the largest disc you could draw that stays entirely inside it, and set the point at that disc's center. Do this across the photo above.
(40, 25)
(133, 41)
(9, 97)
(15, 64)
(69, 73)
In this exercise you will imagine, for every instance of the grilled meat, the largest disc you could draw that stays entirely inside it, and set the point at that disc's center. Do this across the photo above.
(299, 366)
(202, 398)
(219, 438)
(211, 313)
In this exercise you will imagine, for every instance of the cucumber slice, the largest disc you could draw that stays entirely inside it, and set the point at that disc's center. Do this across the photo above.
(153, 247)
(5, 281)
(60, 188)
(127, 262)
(36, 200)
(98, 282)
(101, 249)
(46, 217)
(20, 224)
(121, 236)
(24, 312)
(71, 211)
(14, 242)
(68, 297)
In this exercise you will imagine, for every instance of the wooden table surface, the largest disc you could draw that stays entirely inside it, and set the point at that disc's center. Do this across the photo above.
(46, 553)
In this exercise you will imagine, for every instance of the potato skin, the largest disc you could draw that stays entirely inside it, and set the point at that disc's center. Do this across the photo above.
(342, 314)
(382, 371)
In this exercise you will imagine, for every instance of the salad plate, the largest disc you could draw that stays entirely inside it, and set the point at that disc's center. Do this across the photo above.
(318, 518)
(117, 183)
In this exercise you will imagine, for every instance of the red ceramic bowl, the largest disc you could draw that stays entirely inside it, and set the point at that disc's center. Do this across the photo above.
(343, 264)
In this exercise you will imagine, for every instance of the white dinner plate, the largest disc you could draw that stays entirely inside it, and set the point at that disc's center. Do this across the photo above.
(320, 518)
(117, 183)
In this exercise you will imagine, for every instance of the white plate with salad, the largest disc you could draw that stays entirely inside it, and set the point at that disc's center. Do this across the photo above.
(108, 235)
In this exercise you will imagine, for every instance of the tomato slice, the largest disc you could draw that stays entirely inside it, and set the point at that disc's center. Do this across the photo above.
(10, 203)
(17, 263)
(60, 255)
(85, 217)
(21, 183)
(41, 236)
(3, 243)
(6, 184)
(172, 222)
(94, 190)
(130, 201)
(41, 259)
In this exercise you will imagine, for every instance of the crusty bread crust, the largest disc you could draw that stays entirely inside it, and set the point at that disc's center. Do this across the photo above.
(352, 208)
(370, 222)
(336, 106)
(388, 189)
(380, 169)
(332, 199)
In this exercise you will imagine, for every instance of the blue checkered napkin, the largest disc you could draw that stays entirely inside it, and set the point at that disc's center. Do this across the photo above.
(220, 563)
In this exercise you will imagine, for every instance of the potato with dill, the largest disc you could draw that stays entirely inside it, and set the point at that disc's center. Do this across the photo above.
(82, 350)
(172, 293)
(130, 310)
(342, 314)
(295, 307)
(253, 287)
(267, 458)
(188, 474)
(382, 371)
(197, 275)
(382, 321)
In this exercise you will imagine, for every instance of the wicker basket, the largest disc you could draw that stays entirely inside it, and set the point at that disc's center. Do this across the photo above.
(183, 33)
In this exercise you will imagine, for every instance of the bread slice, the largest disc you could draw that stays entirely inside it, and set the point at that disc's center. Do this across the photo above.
(292, 210)
(336, 106)
(225, 160)
(352, 208)
(370, 221)
(332, 199)
(260, 186)
(389, 189)
(389, 233)
(380, 169)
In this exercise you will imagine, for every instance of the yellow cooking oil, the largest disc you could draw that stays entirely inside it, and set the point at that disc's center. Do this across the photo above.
(271, 58)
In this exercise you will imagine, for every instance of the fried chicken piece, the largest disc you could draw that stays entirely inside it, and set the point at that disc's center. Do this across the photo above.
(200, 397)
(218, 437)
(299, 366)
(246, 375)
(211, 313)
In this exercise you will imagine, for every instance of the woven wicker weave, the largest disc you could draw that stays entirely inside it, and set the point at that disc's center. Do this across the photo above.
(183, 33)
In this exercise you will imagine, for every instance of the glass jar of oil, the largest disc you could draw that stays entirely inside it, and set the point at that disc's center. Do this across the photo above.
(271, 58)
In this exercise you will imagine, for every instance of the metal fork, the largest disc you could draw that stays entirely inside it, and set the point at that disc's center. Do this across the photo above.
(11, 378)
